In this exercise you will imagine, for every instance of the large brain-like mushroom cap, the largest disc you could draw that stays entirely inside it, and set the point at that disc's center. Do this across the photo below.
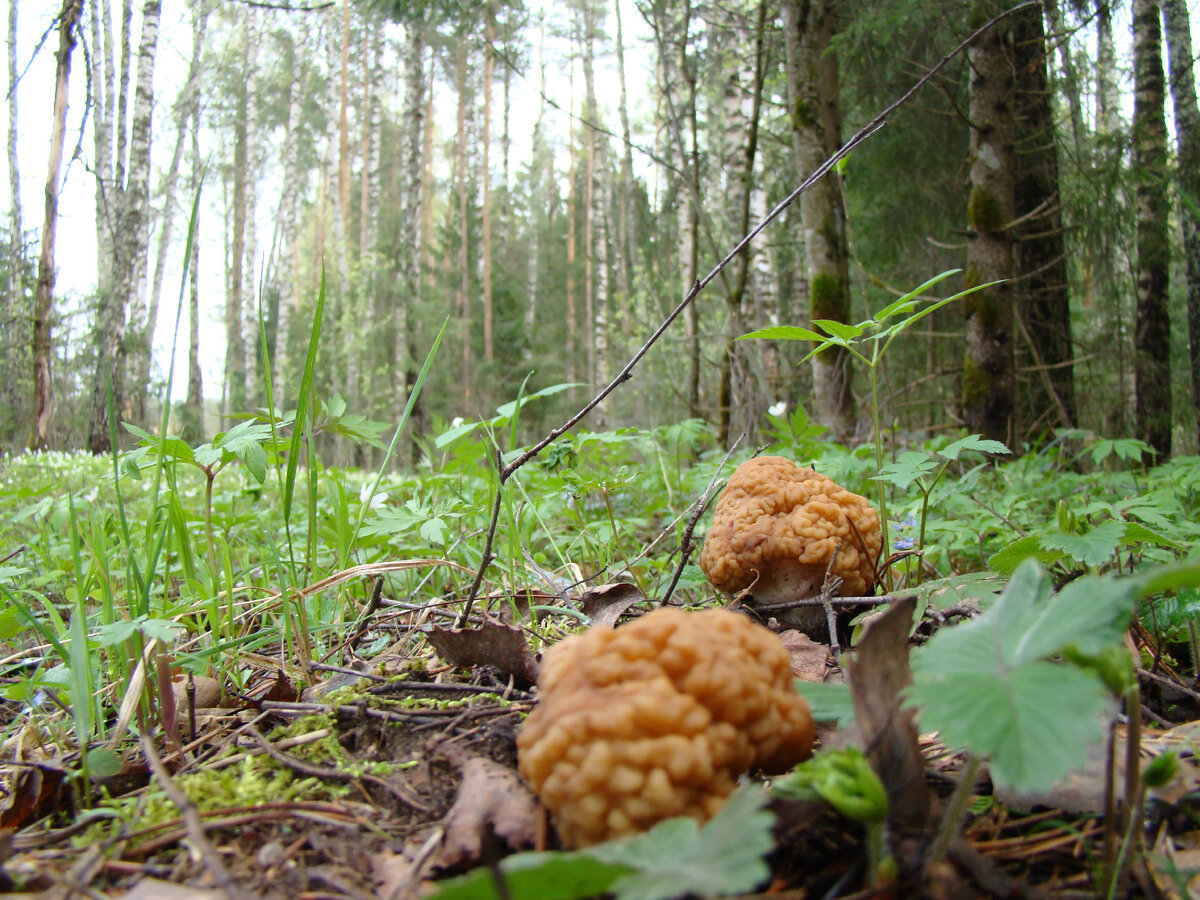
(657, 719)
(775, 514)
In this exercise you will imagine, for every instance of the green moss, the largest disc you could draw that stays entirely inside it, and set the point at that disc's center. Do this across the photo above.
(827, 297)
(984, 213)
(976, 384)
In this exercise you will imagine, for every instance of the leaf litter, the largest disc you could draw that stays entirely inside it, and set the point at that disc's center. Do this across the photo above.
(403, 774)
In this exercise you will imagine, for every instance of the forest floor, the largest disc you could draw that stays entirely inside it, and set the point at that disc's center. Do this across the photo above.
(278, 794)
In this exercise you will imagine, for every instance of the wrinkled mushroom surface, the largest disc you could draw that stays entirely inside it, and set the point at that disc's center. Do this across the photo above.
(657, 719)
(776, 527)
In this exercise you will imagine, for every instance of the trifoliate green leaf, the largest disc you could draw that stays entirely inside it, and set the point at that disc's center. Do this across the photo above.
(990, 685)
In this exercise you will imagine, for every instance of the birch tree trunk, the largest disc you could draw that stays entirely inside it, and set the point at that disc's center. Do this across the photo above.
(193, 429)
(1187, 137)
(43, 307)
(815, 113)
(139, 372)
(234, 394)
(16, 237)
(1152, 342)
(987, 381)
(129, 218)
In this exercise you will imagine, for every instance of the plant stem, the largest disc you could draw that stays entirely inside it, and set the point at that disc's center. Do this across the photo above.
(956, 806)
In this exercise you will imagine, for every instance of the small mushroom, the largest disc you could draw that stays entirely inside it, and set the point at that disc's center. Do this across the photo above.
(658, 719)
(776, 528)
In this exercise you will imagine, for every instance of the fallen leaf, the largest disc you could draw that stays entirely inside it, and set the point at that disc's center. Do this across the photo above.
(154, 889)
(606, 603)
(491, 644)
(31, 792)
(208, 692)
(877, 672)
(809, 659)
(491, 799)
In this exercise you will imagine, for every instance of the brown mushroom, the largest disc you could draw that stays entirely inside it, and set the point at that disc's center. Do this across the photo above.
(657, 719)
(776, 528)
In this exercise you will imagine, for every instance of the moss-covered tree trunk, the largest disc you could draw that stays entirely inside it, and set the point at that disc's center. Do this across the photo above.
(1187, 136)
(987, 397)
(1152, 342)
(815, 113)
(1043, 349)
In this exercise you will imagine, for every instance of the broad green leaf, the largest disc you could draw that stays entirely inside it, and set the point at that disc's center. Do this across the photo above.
(1006, 561)
(972, 442)
(839, 330)
(1137, 533)
(1034, 724)
(980, 587)
(905, 303)
(102, 762)
(990, 685)
(546, 876)
(255, 459)
(675, 857)
(827, 701)
(1093, 548)
(783, 333)
(506, 410)
(909, 466)
(434, 530)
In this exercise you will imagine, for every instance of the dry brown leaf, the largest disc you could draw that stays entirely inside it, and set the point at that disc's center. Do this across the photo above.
(30, 792)
(491, 799)
(491, 644)
(208, 692)
(809, 659)
(155, 889)
(877, 673)
(606, 603)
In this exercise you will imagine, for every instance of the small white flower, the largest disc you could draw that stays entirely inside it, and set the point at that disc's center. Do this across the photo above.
(456, 421)
(377, 500)
(778, 409)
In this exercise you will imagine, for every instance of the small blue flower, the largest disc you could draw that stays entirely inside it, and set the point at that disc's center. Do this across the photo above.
(904, 543)
(909, 521)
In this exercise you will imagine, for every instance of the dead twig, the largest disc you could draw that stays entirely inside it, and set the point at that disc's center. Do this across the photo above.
(685, 545)
(329, 773)
(192, 823)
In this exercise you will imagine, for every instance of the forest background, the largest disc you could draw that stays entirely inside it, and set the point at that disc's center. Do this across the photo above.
(553, 178)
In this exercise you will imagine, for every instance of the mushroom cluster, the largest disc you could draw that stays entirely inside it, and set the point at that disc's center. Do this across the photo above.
(657, 719)
(777, 529)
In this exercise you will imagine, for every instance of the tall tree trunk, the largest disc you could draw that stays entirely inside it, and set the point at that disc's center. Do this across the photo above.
(1043, 308)
(128, 216)
(234, 394)
(587, 39)
(460, 175)
(742, 404)
(489, 64)
(43, 387)
(193, 429)
(988, 360)
(626, 243)
(1187, 137)
(16, 237)
(410, 236)
(139, 370)
(812, 79)
(571, 352)
(1152, 357)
